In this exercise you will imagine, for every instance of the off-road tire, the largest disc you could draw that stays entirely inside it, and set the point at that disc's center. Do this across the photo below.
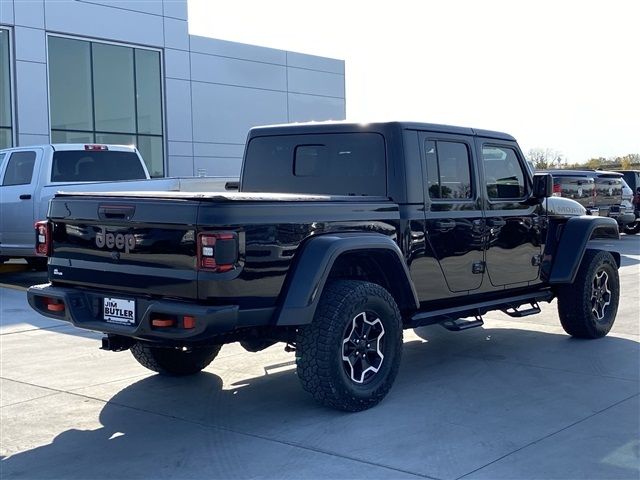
(174, 361)
(575, 300)
(320, 346)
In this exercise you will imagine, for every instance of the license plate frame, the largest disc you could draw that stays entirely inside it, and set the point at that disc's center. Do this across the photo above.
(120, 311)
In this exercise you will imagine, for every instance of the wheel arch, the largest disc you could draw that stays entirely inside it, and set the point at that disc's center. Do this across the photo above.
(358, 256)
(572, 245)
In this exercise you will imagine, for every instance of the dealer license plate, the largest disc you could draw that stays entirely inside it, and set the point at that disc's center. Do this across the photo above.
(117, 310)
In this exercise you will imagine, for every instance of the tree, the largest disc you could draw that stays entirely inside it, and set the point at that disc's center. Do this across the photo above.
(545, 158)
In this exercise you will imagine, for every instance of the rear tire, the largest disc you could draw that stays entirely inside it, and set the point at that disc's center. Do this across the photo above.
(588, 306)
(348, 357)
(174, 361)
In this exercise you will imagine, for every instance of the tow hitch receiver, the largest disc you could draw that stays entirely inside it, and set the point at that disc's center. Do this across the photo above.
(116, 343)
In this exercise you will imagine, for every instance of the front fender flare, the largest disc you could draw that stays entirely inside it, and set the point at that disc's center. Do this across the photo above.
(313, 264)
(576, 233)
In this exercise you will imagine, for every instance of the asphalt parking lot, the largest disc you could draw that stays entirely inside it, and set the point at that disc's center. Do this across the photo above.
(516, 398)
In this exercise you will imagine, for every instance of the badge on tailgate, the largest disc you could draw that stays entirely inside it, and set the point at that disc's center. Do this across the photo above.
(117, 310)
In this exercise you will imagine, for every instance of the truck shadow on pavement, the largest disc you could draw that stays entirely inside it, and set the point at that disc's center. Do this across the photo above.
(460, 402)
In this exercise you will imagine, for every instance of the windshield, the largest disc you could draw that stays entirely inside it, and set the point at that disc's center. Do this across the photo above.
(95, 166)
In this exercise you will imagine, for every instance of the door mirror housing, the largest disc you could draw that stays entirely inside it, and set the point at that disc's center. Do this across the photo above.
(542, 186)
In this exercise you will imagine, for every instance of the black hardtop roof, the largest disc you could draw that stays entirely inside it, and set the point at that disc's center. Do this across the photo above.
(379, 127)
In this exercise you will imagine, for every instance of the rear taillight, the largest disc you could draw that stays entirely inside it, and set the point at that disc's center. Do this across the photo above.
(43, 238)
(94, 148)
(557, 190)
(217, 252)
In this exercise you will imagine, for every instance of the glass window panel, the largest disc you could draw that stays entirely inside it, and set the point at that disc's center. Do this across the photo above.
(151, 149)
(433, 178)
(70, 84)
(20, 168)
(503, 173)
(5, 80)
(71, 137)
(115, 139)
(5, 137)
(455, 172)
(114, 100)
(148, 94)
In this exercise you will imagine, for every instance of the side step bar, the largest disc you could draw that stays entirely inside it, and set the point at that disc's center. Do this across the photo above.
(509, 305)
(460, 324)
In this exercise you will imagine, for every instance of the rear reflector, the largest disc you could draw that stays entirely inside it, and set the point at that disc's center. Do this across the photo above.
(162, 322)
(54, 305)
(188, 322)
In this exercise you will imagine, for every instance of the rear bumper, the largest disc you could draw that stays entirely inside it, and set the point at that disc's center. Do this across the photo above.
(84, 309)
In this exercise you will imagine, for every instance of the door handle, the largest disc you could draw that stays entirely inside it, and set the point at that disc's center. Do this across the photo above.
(25, 196)
(445, 225)
(496, 222)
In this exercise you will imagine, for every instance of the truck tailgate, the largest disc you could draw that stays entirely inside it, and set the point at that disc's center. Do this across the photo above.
(146, 246)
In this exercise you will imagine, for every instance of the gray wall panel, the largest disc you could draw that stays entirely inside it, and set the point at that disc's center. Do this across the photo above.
(181, 148)
(29, 13)
(230, 71)
(30, 44)
(224, 114)
(25, 139)
(32, 98)
(304, 108)
(217, 166)
(217, 150)
(177, 64)
(92, 20)
(178, 107)
(313, 62)
(175, 9)
(316, 83)
(180, 166)
(176, 34)
(214, 46)
(6, 12)
(145, 6)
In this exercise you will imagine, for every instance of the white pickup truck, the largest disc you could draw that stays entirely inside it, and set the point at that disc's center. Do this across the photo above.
(31, 176)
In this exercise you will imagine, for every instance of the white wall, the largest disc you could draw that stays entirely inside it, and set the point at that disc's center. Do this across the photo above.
(215, 90)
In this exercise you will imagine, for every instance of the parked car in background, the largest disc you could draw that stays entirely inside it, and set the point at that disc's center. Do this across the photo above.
(30, 176)
(599, 191)
(632, 179)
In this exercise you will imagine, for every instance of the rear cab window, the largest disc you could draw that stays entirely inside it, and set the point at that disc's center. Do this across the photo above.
(332, 164)
(96, 166)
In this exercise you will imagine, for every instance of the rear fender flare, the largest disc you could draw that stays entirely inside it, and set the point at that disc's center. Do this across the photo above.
(576, 233)
(309, 273)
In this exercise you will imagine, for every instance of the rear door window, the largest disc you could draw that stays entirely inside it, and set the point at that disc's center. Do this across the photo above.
(20, 168)
(95, 166)
(448, 170)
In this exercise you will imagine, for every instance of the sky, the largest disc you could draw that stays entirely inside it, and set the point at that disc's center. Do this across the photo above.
(562, 74)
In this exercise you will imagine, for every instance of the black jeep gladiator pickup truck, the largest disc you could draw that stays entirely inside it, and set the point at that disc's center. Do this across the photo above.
(341, 235)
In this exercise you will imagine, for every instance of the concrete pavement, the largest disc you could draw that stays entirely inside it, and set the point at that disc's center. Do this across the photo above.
(517, 398)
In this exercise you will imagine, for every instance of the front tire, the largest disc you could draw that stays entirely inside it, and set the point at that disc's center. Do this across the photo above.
(588, 306)
(632, 229)
(348, 357)
(174, 361)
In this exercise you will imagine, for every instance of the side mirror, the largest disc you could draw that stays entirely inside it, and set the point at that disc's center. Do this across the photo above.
(542, 185)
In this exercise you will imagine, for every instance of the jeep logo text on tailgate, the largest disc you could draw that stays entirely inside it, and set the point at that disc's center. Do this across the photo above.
(119, 241)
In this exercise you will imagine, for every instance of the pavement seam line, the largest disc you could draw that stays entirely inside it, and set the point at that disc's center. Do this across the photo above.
(549, 435)
(239, 432)
(34, 329)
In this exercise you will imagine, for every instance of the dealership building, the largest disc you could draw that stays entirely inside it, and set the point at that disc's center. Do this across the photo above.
(128, 72)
